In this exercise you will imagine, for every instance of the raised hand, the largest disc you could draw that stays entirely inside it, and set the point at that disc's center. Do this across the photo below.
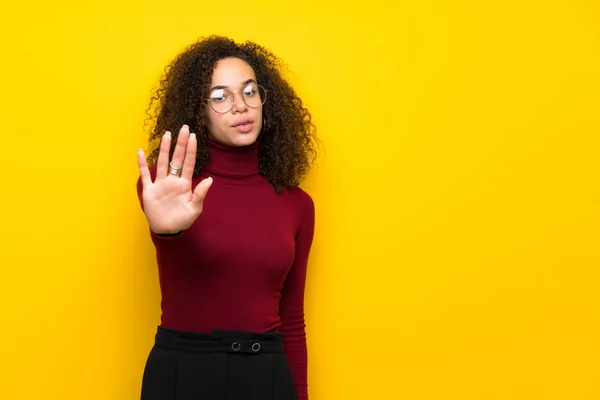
(169, 203)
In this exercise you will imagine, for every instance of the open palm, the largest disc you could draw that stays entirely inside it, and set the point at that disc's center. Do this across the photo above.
(169, 202)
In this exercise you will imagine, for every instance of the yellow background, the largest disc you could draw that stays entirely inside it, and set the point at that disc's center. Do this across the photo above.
(456, 254)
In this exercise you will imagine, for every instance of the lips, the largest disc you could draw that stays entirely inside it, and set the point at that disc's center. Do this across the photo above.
(244, 126)
(242, 122)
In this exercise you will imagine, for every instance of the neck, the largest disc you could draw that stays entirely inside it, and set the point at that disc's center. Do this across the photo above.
(233, 161)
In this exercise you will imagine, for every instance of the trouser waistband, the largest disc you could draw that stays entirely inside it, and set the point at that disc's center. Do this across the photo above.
(220, 340)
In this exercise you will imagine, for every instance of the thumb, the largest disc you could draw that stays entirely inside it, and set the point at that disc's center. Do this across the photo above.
(201, 190)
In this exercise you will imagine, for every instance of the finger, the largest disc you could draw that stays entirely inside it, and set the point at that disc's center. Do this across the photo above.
(201, 190)
(162, 163)
(182, 141)
(190, 157)
(144, 172)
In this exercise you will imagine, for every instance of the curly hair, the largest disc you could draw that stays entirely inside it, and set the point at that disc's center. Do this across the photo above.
(286, 142)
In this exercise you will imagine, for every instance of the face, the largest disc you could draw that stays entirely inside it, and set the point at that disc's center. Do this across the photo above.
(240, 125)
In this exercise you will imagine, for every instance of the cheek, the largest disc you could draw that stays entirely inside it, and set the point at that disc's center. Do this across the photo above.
(213, 120)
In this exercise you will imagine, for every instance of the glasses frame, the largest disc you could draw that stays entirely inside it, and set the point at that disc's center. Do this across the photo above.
(232, 102)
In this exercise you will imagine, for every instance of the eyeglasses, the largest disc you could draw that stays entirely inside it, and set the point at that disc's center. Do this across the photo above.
(221, 100)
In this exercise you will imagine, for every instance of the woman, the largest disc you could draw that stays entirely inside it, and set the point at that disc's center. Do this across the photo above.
(230, 143)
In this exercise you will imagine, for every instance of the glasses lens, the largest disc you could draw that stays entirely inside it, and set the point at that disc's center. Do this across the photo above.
(254, 95)
(221, 100)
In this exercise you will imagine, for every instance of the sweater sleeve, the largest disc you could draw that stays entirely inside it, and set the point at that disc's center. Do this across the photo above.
(291, 308)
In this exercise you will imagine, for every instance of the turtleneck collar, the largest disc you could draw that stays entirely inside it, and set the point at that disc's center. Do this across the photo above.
(235, 162)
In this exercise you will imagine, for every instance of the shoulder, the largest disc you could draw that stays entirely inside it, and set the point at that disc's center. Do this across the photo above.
(308, 205)
(303, 201)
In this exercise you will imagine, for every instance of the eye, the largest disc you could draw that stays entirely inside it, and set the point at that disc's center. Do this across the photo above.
(219, 95)
(250, 90)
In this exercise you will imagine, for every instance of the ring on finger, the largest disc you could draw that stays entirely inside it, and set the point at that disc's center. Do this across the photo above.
(173, 170)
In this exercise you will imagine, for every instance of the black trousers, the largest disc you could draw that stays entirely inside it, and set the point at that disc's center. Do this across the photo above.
(222, 365)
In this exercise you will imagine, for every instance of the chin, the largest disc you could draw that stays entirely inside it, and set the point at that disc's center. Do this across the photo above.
(244, 140)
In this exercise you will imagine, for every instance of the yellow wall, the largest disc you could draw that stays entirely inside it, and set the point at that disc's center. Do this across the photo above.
(456, 253)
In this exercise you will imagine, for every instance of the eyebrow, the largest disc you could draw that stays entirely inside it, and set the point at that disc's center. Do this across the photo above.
(247, 81)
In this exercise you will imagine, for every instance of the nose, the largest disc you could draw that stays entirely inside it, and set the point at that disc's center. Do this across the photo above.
(238, 103)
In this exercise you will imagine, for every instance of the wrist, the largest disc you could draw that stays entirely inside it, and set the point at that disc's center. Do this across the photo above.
(166, 232)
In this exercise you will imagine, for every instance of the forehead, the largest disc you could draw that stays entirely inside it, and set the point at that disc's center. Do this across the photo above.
(232, 72)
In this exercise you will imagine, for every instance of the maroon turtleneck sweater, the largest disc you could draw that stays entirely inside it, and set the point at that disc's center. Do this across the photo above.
(242, 264)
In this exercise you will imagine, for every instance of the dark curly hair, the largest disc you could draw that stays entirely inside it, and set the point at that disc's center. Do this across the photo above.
(286, 142)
